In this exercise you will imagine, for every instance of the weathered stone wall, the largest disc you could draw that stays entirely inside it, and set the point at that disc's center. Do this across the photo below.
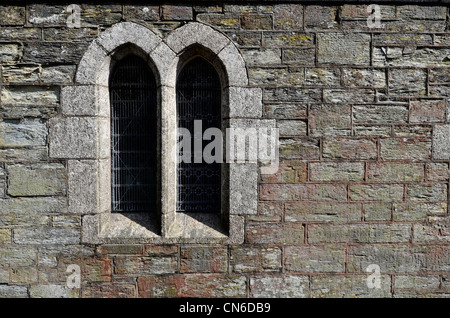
(364, 127)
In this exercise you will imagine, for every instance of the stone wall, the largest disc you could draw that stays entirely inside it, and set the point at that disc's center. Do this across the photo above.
(363, 115)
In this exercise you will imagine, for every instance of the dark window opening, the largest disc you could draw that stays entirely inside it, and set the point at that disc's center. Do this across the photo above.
(133, 136)
(198, 92)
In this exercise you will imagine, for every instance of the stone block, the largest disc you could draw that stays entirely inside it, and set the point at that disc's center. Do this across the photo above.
(333, 212)
(342, 49)
(372, 131)
(46, 235)
(76, 137)
(395, 172)
(39, 96)
(320, 17)
(245, 102)
(434, 233)
(12, 15)
(219, 20)
(53, 291)
(427, 111)
(244, 260)
(330, 120)
(418, 12)
(288, 17)
(13, 291)
(23, 74)
(411, 57)
(10, 53)
(256, 22)
(18, 256)
(276, 76)
(401, 39)
(347, 96)
(322, 76)
(37, 180)
(407, 82)
(288, 39)
(427, 192)
(412, 131)
(203, 259)
(243, 188)
(285, 110)
(307, 259)
(349, 148)
(289, 128)
(359, 233)
(300, 148)
(234, 65)
(46, 53)
(193, 285)
(245, 38)
(306, 191)
(359, 12)
(37, 205)
(405, 149)
(299, 56)
(20, 34)
(144, 265)
(439, 75)
(70, 34)
(22, 219)
(289, 171)
(22, 133)
(176, 12)
(87, 100)
(416, 285)
(376, 192)
(269, 211)
(93, 59)
(349, 286)
(275, 233)
(374, 78)
(24, 275)
(141, 12)
(265, 56)
(286, 286)
(383, 114)
(417, 211)
(5, 238)
(341, 171)
(109, 290)
(85, 192)
(437, 171)
(47, 15)
(104, 15)
(398, 258)
(293, 94)
(377, 211)
(60, 74)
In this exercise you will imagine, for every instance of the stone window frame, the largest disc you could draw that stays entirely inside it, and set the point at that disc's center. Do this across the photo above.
(80, 134)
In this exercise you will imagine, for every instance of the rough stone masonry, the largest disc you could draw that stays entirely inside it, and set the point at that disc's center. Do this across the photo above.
(364, 121)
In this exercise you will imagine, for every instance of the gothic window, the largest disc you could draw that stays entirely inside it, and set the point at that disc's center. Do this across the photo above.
(133, 116)
(198, 93)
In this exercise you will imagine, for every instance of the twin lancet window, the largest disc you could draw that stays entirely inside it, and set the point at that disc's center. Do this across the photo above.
(134, 137)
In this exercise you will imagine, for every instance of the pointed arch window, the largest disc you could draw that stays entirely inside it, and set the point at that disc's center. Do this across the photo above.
(133, 100)
(198, 93)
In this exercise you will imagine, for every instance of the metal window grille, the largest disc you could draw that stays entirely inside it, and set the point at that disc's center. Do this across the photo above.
(198, 98)
(133, 136)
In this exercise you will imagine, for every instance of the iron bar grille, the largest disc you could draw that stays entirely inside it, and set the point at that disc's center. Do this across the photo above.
(198, 98)
(133, 136)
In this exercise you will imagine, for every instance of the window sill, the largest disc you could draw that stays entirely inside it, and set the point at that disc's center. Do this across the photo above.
(141, 228)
